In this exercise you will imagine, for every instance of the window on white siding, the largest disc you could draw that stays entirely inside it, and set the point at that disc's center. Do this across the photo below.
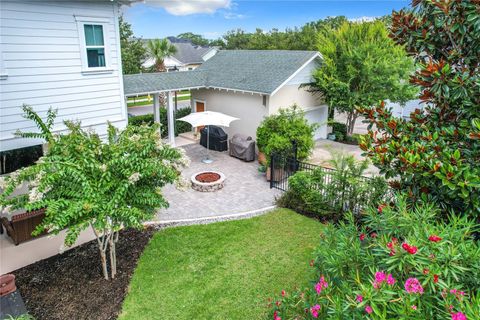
(94, 46)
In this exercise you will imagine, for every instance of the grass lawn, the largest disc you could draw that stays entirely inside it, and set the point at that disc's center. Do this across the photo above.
(224, 270)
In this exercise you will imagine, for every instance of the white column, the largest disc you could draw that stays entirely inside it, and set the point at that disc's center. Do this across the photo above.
(170, 119)
(156, 109)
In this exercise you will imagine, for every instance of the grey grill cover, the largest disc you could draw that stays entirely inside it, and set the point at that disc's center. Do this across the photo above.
(242, 147)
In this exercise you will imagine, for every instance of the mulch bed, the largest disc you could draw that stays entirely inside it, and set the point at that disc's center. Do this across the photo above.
(207, 177)
(71, 285)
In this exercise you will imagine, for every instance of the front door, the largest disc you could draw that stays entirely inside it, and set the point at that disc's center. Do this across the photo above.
(199, 107)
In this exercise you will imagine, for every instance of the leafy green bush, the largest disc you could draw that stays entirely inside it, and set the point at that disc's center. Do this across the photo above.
(180, 126)
(277, 131)
(85, 182)
(339, 136)
(402, 264)
(330, 193)
(338, 128)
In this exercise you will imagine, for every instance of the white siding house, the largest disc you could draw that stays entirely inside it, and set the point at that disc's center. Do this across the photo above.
(64, 55)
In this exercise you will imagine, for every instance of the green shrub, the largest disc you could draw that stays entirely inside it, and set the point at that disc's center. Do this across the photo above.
(277, 131)
(180, 126)
(330, 193)
(339, 136)
(339, 128)
(372, 271)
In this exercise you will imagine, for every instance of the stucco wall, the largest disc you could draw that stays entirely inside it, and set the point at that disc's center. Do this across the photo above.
(315, 109)
(245, 106)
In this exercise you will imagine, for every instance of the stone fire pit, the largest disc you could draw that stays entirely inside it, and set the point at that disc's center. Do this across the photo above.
(208, 181)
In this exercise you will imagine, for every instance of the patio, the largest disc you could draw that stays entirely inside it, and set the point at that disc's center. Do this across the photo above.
(246, 190)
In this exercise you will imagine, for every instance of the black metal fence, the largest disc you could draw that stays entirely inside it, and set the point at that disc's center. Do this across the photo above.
(338, 191)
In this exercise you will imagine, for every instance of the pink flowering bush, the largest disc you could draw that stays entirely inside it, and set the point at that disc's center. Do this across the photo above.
(414, 267)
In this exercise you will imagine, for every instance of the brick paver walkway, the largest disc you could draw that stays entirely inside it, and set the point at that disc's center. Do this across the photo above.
(245, 188)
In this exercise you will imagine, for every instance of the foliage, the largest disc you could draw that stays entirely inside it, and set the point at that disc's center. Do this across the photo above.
(403, 264)
(361, 66)
(85, 182)
(196, 39)
(338, 127)
(330, 193)
(132, 49)
(25, 316)
(180, 126)
(158, 50)
(277, 132)
(302, 38)
(45, 127)
(221, 270)
(435, 155)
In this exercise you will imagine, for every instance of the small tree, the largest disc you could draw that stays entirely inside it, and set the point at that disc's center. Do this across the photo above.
(159, 49)
(133, 51)
(436, 154)
(277, 132)
(361, 66)
(85, 182)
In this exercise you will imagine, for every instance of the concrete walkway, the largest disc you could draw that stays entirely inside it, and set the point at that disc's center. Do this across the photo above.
(246, 193)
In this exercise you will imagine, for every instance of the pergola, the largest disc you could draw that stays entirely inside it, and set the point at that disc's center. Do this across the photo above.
(163, 82)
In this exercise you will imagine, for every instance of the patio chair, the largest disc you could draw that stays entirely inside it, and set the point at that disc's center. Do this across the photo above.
(21, 226)
(242, 147)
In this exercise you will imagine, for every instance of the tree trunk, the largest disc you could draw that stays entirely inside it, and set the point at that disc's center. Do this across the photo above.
(351, 118)
(103, 257)
(113, 262)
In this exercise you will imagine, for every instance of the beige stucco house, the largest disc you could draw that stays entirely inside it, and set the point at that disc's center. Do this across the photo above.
(247, 84)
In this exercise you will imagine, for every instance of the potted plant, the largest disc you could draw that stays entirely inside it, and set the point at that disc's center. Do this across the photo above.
(262, 169)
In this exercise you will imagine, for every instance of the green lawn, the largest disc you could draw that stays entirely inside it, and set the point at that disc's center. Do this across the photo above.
(224, 270)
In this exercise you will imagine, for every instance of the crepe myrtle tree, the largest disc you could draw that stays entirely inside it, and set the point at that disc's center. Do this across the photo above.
(84, 182)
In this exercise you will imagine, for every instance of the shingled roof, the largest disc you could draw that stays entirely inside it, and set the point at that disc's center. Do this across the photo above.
(260, 71)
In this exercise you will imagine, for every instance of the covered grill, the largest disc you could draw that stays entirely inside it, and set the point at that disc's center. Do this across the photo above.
(242, 147)
(218, 138)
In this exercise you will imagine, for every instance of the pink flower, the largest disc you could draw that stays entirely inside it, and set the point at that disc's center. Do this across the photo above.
(414, 307)
(373, 235)
(412, 285)
(275, 316)
(322, 284)
(410, 249)
(434, 238)
(359, 298)
(380, 277)
(453, 291)
(362, 236)
(314, 310)
(435, 278)
(368, 309)
(283, 293)
(390, 280)
(458, 316)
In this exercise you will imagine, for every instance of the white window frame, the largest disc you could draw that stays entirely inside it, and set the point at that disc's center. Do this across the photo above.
(104, 22)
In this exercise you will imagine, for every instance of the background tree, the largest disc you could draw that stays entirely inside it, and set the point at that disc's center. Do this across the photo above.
(436, 155)
(133, 50)
(159, 49)
(85, 182)
(194, 38)
(361, 66)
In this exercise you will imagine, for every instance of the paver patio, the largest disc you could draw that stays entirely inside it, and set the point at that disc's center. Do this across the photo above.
(245, 188)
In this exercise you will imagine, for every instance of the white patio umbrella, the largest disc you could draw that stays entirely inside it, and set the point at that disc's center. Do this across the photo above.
(207, 118)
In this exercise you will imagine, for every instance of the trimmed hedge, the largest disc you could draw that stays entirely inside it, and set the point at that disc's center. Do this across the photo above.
(180, 126)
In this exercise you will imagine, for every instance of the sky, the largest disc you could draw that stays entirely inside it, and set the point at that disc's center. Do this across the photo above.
(213, 18)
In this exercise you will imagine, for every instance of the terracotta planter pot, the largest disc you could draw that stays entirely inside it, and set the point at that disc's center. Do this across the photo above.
(7, 284)
(262, 159)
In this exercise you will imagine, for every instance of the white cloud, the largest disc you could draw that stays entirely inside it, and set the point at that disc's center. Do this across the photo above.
(186, 7)
(363, 19)
(232, 15)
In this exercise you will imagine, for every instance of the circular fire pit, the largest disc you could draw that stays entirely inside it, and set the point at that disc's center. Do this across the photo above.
(207, 181)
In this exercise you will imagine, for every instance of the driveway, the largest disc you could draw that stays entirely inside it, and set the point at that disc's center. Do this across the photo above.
(245, 189)
(324, 149)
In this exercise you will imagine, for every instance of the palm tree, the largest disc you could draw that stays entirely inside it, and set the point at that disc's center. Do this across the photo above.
(159, 49)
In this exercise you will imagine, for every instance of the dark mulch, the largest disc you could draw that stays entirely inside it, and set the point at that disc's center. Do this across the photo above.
(71, 285)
